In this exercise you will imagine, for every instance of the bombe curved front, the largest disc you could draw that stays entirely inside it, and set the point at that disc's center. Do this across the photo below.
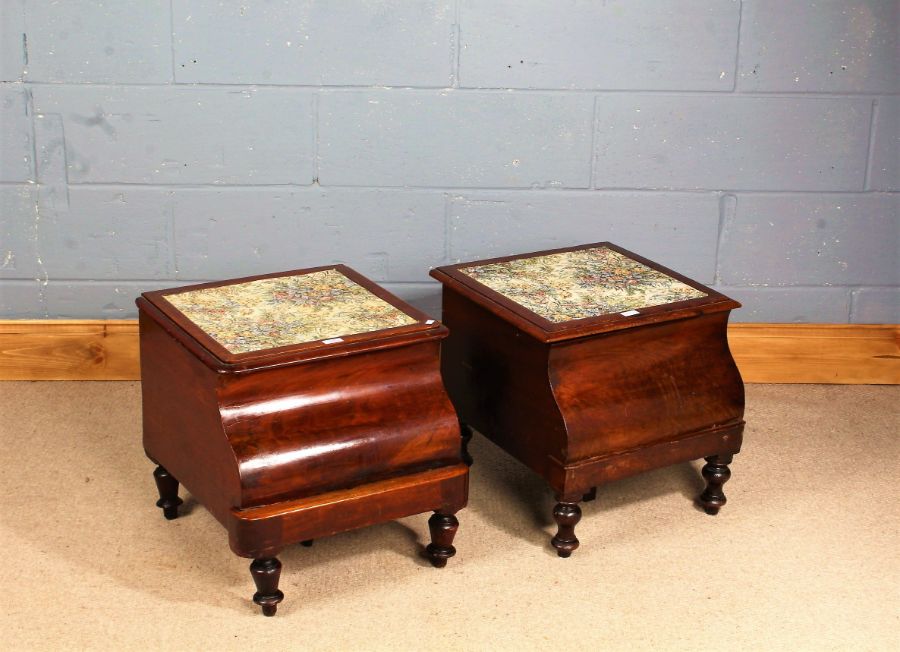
(298, 405)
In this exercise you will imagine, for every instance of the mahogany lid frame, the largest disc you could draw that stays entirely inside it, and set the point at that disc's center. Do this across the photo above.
(216, 356)
(548, 331)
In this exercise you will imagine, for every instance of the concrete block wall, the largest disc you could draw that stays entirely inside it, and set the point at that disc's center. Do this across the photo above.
(751, 145)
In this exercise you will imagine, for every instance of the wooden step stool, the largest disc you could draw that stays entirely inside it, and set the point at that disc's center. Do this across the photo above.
(298, 405)
(591, 364)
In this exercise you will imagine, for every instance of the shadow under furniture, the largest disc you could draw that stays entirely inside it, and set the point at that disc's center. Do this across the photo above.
(589, 364)
(298, 405)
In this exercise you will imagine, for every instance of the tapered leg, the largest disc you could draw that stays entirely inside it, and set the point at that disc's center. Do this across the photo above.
(266, 572)
(443, 528)
(466, 434)
(716, 473)
(566, 516)
(591, 495)
(168, 493)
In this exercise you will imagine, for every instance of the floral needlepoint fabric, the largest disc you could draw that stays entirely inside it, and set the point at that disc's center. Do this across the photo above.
(579, 284)
(273, 312)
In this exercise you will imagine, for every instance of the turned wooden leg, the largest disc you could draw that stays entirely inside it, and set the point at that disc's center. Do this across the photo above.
(168, 493)
(591, 495)
(266, 572)
(466, 434)
(443, 528)
(566, 516)
(716, 473)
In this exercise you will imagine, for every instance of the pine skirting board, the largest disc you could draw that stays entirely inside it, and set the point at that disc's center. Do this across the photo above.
(765, 353)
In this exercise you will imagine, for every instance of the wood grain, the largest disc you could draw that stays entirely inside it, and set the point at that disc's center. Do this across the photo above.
(69, 350)
(817, 353)
(299, 442)
(662, 392)
(765, 353)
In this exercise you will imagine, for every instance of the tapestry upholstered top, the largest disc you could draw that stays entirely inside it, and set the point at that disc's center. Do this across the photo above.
(273, 312)
(582, 283)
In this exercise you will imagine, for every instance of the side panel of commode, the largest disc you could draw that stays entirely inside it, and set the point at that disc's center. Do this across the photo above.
(182, 425)
(497, 379)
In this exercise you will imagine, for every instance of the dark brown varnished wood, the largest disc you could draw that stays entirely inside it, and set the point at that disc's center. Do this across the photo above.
(443, 528)
(168, 493)
(589, 401)
(260, 531)
(297, 443)
(566, 516)
(266, 573)
(716, 473)
(497, 378)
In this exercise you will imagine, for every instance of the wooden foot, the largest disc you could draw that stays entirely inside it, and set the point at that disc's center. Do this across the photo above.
(566, 516)
(716, 473)
(591, 495)
(168, 493)
(308, 543)
(266, 572)
(443, 528)
(466, 434)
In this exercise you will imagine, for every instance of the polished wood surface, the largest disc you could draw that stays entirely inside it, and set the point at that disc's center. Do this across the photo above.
(497, 378)
(304, 443)
(261, 531)
(330, 446)
(266, 573)
(57, 349)
(595, 401)
(567, 516)
(643, 385)
(443, 528)
(716, 473)
(167, 486)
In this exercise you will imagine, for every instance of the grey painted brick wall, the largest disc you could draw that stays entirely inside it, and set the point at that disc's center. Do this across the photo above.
(752, 145)
(676, 229)
(592, 45)
(181, 135)
(387, 43)
(732, 142)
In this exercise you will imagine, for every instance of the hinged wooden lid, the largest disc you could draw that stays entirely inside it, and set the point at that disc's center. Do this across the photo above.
(287, 317)
(561, 294)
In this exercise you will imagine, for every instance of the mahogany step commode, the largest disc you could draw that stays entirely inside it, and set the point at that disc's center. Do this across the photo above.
(590, 364)
(298, 405)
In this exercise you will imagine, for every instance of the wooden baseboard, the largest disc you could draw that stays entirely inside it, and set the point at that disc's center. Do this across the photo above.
(847, 354)
(765, 353)
(90, 349)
